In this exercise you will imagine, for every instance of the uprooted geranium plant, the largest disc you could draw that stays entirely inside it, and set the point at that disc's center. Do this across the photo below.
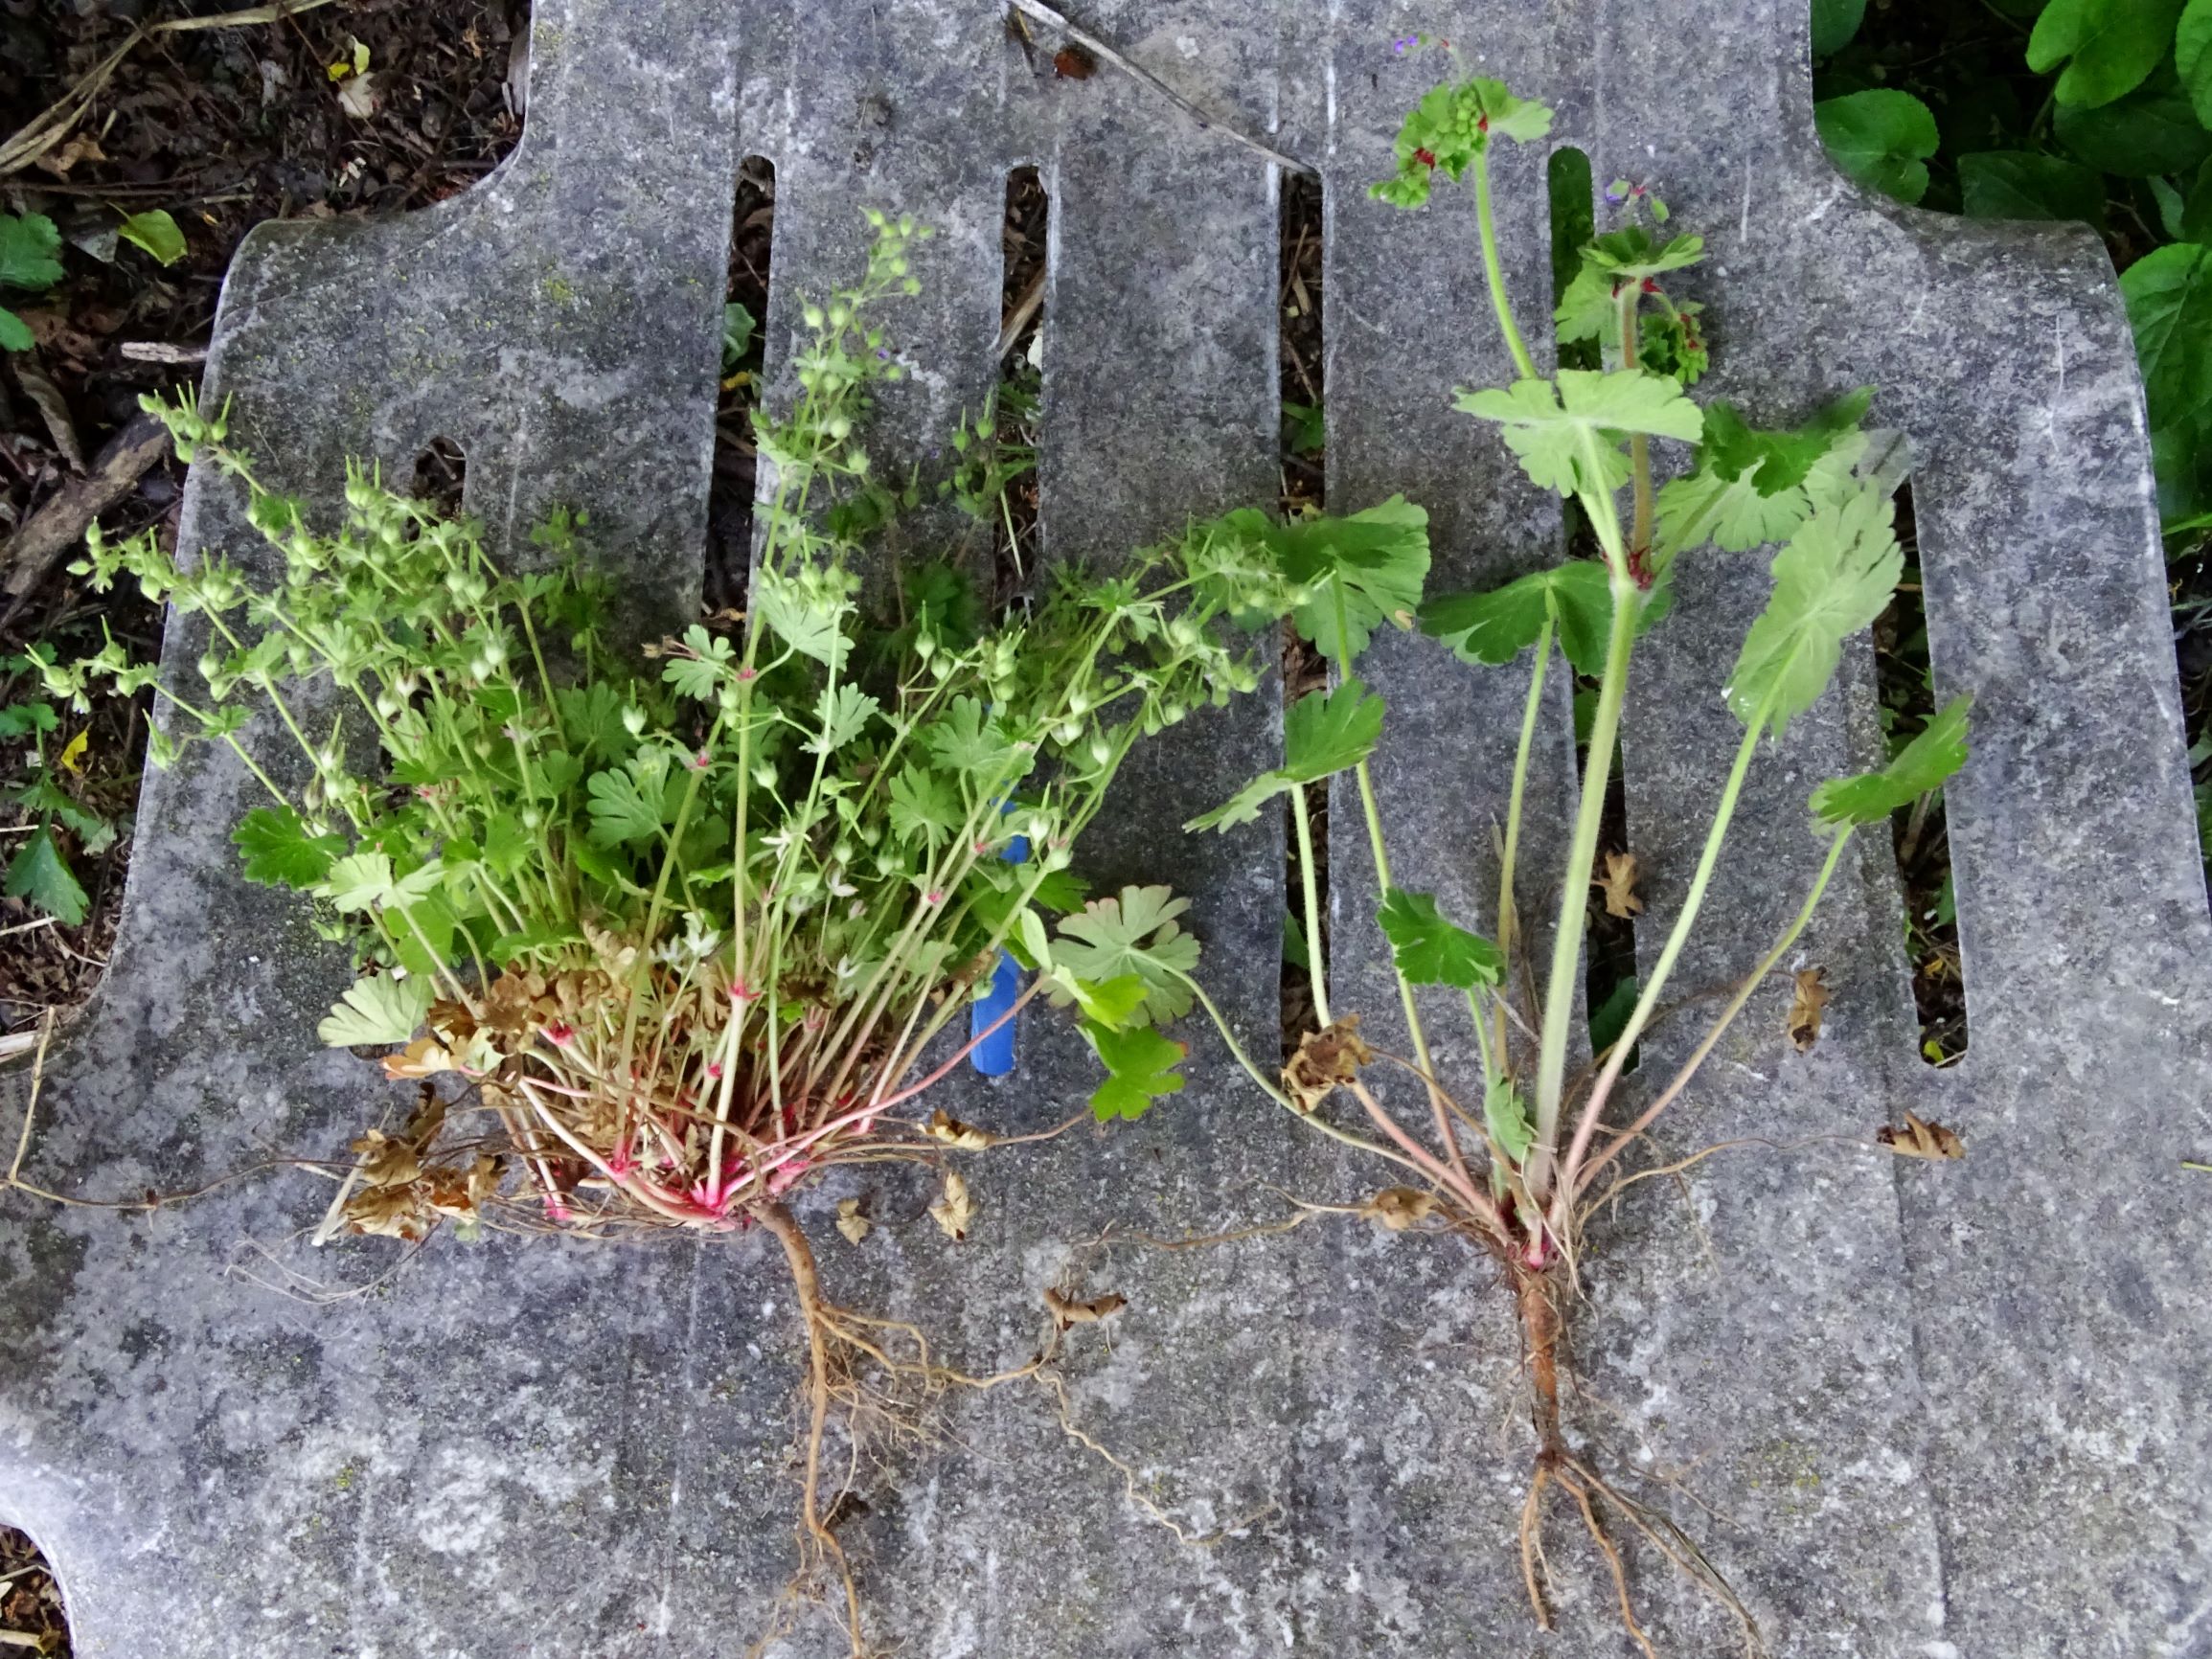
(663, 941)
(1516, 1156)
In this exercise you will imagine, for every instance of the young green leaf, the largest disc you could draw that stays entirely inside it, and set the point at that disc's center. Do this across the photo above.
(1567, 433)
(1921, 765)
(1322, 736)
(1833, 578)
(1135, 932)
(2107, 46)
(1497, 626)
(1361, 569)
(1506, 1118)
(968, 742)
(379, 1009)
(156, 232)
(1140, 1069)
(1587, 309)
(1115, 1004)
(1431, 950)
(280, 852)
(1880, 138)
(2169, 297)
(40, 874)
(30, 244)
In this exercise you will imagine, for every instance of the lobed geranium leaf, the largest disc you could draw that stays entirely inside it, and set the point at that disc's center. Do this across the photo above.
(1833, 578)
(925, 806)
(1497, 626)
(1749, 487)
(841, 714)
(1921, 765)
(280, 852)
(1567, 433)
(1134, 932)
(620, 811)
(379, 1009)
(1140, 1069)
(1431, 951)
(1361, 569)
(1506, 1117)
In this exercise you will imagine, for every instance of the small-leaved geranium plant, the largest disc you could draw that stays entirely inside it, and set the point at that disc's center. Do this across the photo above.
(1514, 1154)
(685, 933)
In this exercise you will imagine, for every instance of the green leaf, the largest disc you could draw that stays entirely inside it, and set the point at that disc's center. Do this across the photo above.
(1880, 138)
(2107, 46)
(1834, 577)
(1140, 1069)
(923, 803)
(841, 714)
(2020, 184)
(1431, 950)
(1610, 1017)
(156, 232)
(1362, 569)
(620, 811)
(40, 874)
(15, 333)
(1506, 1118)
(2169, 296)
(1836, 24)
(1586, 308)
(1921, 765)
(1135, 932)
(1497, 626)
(809, 626)
(701, 675)
(280, 852)
(23, 719)
(1633, 253)
(1115, 1004)
(966, 743)
(592, 718)
(737, 334)
(2193, 56)
(360, 881)
(29, 248)
(1567, 433)
(1322, 736)
(2195, 224)
(1749, 487)
(2152, 130)
(379, 1009)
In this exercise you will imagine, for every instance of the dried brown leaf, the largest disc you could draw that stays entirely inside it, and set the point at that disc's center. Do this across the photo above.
(423, 1057)
(1921, 1139)
(955, 1211)
(386, 1162)
(1619, 882)
(1399, 1208)
(1066, 1310)
(388, 1212)
(1813, 996)
(959, 1136)
(851, 1222)
(1325, 1058)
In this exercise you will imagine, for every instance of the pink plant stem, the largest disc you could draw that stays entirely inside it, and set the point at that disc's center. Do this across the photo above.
(1430, 1165)
(641, 1190)
(967, 1048)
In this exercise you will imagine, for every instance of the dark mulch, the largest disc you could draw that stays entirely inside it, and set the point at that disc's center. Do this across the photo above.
(30, 1601)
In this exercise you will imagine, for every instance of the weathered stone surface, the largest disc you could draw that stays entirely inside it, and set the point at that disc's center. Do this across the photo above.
(1934, 1411)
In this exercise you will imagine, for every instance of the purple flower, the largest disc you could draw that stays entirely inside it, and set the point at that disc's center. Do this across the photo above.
(882, 353)
(1615, 195)
(1401, 44)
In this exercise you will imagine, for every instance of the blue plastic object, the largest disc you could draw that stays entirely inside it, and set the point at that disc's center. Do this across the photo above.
(993, 1056)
